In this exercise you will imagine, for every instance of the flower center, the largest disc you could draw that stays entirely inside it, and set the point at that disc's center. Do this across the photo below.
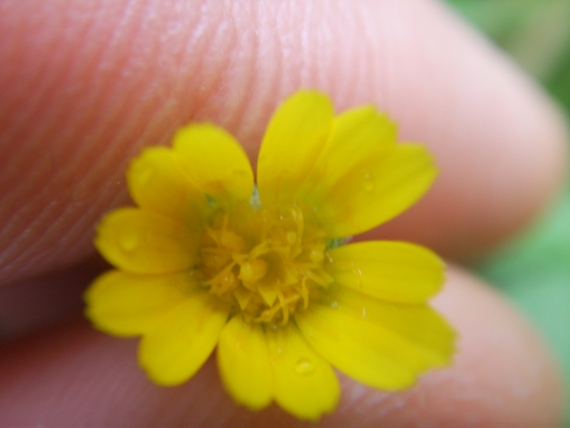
(266, 263)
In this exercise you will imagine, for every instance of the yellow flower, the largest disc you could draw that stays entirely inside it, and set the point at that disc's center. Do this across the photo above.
(208, 260)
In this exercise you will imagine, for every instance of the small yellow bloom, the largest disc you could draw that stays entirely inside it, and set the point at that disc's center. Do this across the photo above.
(208, 260)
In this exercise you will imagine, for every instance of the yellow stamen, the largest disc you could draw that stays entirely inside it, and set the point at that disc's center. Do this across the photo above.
(253, 271)
(269, 264)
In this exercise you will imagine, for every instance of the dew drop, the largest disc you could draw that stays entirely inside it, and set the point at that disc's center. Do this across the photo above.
(369, 182)
(144, 177)
(363, 313)
(304, 366)
(291, 237)
(316, 256)
(358, 273)
(129, 241)
(229, 279)
(333, 304)
(240, 174)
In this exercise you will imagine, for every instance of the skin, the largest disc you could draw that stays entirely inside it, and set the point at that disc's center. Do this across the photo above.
(86, 85)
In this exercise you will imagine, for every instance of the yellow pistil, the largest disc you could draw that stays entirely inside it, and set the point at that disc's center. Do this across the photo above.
(266, 263)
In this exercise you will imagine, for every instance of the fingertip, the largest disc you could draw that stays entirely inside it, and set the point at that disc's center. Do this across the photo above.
(81, 98)
(503, 375)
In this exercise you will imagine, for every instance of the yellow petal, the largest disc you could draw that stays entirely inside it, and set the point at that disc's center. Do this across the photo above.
(375, 190)
(179, 345)
(127, 304)
(144, 242)
(158, 183)
(292, 143)
(421, 326)
(379, 344)
(243, 362)
(305, 384)
(215, 162)
(355, 135)
(394, 271)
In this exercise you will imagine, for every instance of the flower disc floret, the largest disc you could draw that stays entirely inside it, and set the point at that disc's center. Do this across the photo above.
(266, 263)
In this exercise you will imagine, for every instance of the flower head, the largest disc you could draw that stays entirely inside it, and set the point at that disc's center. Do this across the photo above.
(208, 260)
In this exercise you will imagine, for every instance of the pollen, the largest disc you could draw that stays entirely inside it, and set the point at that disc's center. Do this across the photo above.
(266, 263)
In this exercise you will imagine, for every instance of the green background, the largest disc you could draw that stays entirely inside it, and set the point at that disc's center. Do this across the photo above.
(534, 271)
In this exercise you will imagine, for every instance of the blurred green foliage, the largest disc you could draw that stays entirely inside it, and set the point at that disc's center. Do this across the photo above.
(535, 269)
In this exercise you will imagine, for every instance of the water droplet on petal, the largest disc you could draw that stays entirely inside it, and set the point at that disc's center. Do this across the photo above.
(333, 304)
(144, 176)
(369, 182)
(363, 313)
(291, 237)
(304, 366)
(358, 274)
(129, 241)
(317, 256)
(229, 281)
(240, 174)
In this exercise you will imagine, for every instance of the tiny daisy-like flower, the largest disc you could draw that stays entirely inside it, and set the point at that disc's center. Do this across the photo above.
(264, 274)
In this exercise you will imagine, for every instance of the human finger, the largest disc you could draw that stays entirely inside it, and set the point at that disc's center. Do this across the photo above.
(86, 85)
(502, 376)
